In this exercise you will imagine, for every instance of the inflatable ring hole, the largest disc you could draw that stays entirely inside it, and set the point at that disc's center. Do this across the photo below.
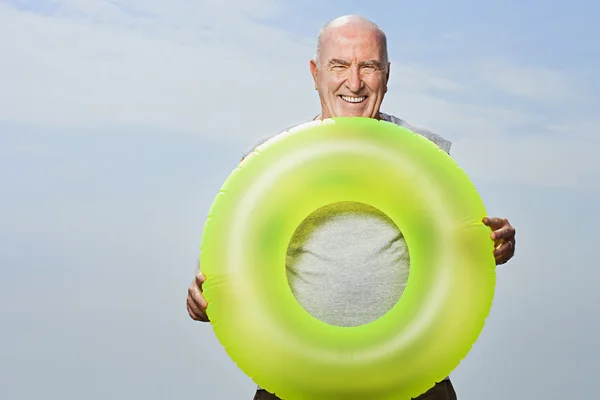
(347, 264)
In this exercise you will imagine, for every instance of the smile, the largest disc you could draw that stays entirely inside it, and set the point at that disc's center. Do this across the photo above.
(351, 99)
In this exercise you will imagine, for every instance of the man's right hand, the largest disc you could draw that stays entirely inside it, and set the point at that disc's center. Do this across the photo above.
(196, 303)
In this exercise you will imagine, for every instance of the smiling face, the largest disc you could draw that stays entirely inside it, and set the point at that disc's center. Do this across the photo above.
(352, 71)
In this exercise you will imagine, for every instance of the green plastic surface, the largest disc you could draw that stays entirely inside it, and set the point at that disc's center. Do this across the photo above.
(452, 278)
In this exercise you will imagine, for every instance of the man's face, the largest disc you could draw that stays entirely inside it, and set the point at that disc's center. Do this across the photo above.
(353, 75)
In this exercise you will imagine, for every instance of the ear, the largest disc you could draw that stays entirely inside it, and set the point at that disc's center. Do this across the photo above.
(314, 71)
(387, 75)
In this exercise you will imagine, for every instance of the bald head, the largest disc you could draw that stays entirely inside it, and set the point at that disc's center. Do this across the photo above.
(350, 23)
(351, 68)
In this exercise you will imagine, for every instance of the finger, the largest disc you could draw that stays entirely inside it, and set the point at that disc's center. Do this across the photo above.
(504, 233)
(192, 311)
(200, 279)
(495, 223)
(197, 297)
(196, 312)
(504, 252)
(503, 247)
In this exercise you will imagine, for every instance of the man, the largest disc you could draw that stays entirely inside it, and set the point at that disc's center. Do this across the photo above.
(348, 263)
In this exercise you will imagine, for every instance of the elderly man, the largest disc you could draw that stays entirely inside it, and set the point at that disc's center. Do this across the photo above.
(348, 263)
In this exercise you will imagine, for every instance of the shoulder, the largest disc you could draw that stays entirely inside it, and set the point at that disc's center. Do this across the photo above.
(440, 141)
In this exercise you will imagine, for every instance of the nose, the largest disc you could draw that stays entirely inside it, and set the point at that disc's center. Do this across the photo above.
(354, 80)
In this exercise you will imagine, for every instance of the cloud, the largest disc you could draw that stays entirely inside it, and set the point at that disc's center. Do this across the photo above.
(538, 136)
(120, 120)
(209, 68)
(540, 84)
(70, 71)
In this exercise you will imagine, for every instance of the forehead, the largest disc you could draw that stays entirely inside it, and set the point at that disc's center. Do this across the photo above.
(352, 44)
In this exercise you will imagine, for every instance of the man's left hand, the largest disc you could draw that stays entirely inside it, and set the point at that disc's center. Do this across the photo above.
(503, 235)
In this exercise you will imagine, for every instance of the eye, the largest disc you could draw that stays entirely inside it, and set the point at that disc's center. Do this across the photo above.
(369, 68)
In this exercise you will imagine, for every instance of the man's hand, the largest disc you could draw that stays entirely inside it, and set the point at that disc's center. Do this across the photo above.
(196, 303)
(503, 235)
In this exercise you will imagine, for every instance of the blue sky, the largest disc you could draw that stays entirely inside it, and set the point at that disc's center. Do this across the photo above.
(120, 120)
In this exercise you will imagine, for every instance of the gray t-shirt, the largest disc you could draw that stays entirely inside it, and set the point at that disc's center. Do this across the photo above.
(347, 263)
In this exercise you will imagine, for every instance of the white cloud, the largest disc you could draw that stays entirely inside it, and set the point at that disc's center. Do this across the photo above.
(418, 78)
(69, 71)
(540, 84)
(101, 235)
(211, 69)
(582, 128)
(505, 142)
(550, 162)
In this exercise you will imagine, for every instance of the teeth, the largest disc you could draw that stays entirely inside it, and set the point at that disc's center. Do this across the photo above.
(353, 99)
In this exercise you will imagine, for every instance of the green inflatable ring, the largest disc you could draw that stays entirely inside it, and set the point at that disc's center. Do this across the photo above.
(449, 293)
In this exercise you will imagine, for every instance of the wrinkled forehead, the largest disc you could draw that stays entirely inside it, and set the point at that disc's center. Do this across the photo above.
(353, 45)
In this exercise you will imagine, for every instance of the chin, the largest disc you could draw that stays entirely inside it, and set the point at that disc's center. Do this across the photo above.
(354, 113)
